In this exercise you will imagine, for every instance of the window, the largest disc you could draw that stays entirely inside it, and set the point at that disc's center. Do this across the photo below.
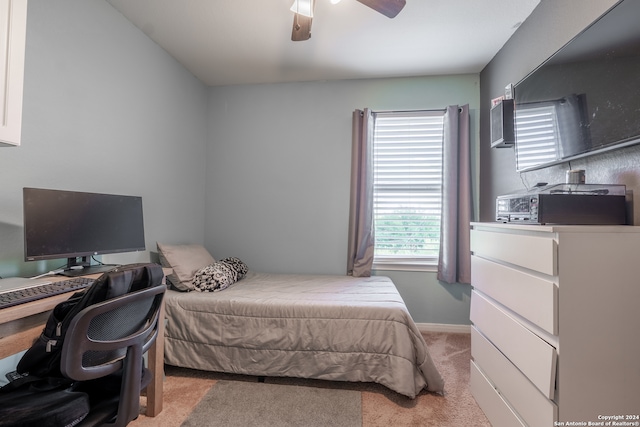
(538, 136)
(407, 188)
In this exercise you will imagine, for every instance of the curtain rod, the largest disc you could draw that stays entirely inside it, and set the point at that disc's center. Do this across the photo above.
(361, 112)
(408, 111)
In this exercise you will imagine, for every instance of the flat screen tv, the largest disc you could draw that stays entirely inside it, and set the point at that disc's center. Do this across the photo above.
(76, 225)
(585, 99)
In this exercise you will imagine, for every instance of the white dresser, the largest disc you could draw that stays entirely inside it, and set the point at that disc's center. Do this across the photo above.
(556, 324)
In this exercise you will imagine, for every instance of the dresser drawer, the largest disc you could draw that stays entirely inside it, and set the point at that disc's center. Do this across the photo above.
(528, 352)
(495, 408)
(533, 252)
(534, 408)
(534, 298)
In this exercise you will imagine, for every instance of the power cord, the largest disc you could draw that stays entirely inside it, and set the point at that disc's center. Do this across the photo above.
(49, 273)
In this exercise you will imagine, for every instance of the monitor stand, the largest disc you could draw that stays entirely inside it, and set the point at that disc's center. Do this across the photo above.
(83, 267)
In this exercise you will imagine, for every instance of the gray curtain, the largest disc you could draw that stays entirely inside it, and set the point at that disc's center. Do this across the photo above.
(361, 239)
(454, 263)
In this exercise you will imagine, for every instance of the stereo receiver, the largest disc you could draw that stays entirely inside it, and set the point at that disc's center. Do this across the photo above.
(580, 204)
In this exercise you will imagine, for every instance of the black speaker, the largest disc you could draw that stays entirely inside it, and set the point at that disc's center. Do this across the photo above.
(502, 124)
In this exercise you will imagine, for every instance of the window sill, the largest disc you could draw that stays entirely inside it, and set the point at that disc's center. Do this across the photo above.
(399, 266)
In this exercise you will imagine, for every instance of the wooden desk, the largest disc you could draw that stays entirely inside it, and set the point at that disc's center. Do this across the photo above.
(20, 325)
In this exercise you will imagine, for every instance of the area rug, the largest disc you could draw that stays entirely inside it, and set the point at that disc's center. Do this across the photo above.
(381, 407)
(240, 403)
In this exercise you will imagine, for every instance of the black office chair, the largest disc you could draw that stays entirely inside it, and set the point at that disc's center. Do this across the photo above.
(103, 350)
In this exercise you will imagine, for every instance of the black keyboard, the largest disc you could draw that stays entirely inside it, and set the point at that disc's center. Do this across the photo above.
(22, 296)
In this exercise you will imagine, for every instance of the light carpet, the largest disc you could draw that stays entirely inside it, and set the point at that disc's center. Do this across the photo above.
(380, 407)
(250, 404)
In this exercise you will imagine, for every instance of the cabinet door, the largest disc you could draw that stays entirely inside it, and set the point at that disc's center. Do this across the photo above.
(13, 26)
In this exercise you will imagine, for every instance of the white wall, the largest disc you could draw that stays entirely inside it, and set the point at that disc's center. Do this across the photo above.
(105, 110)
(278, 172)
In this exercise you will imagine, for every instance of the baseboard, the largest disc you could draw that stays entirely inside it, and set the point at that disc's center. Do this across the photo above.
(440, 327)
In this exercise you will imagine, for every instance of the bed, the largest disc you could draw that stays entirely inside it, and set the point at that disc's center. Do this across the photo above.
(337, 328)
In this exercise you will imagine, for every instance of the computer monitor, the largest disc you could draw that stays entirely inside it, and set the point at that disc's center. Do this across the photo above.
(77, 225)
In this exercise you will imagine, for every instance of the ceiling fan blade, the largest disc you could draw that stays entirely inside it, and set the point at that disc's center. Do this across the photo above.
(301, 28)
(389, 8)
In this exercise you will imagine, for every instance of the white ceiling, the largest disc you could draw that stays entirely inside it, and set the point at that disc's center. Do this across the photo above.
(225, 42)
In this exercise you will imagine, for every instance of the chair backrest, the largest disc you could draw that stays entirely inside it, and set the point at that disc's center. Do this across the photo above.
(43, 358)
(111, 336)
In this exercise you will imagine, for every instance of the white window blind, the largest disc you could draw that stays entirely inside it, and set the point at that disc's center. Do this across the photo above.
(407, 187)
(538, 136)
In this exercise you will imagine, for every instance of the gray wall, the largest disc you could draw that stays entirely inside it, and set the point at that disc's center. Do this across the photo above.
(278, 169)
(105, 110)
(552, 24)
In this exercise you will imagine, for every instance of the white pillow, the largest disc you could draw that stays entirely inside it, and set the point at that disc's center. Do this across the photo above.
(185, 260)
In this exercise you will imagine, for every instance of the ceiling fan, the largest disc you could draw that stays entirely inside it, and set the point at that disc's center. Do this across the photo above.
(303, 14)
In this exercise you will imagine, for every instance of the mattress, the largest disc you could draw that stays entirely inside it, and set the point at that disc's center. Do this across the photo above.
(338, 328)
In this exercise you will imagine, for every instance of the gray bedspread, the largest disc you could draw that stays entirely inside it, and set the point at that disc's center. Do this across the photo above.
(325, 327)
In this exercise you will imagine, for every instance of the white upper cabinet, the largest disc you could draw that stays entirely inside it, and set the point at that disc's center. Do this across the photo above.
(13, 28)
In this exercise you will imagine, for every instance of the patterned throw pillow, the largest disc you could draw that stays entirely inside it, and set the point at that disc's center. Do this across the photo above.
(237, 265)
(219, 275)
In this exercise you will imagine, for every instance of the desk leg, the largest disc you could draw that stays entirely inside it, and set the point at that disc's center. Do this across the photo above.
(156, 366)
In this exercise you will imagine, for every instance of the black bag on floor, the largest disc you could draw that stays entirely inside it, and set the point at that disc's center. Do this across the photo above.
(42, 402)
(43, 358)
